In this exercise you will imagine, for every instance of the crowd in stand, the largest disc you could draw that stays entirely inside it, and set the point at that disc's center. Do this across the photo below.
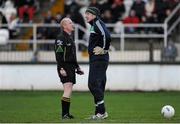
(19, 8)
(117, 12)
(12, 12)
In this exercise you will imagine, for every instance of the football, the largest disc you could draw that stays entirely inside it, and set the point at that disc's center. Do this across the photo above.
(167, 111)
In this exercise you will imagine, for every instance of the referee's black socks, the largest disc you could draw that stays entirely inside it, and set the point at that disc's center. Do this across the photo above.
(65, 103)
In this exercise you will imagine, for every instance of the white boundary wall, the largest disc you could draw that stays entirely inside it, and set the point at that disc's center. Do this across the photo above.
(120, 77)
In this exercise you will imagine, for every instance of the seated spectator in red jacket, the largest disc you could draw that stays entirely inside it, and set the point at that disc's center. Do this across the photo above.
(131, 19)
(27, 6)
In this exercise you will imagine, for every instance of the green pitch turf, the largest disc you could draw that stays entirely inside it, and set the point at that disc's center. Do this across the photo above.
(44, 106)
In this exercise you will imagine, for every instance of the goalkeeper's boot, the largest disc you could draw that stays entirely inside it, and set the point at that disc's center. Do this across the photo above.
(68, 116)
(99, 116)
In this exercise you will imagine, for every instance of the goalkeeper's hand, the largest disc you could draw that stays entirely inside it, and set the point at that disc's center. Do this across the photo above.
(98, 51)
(79, 71)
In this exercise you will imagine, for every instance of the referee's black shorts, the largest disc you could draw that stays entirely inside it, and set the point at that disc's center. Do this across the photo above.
(71, 76)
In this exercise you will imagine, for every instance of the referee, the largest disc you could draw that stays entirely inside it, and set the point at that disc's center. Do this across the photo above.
(67, 65)
(99, 42)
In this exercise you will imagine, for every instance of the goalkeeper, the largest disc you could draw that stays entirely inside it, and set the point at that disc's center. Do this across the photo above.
(99, 42)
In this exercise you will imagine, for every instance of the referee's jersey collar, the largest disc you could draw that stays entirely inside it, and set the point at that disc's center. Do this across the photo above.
(65, 33)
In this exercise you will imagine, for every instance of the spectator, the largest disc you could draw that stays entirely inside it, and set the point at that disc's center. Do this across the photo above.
(3, 20)
(117, 27)
(41, 32)
(139, 7)
(48, 33)
(4, 32)
(131, 19)
(70, 6)
(128, 4)
(150, 7)
(51, 32)
(77, 18)
(26, 6)
(107, 16)
(94, 3)
(9, 10)
(149, 19)
(48, 18)
(118, 9)
(169, 53)
(161, 7)
(44, 32)
(106, 5)
(13, 22)
(150, 12)
(168, 12)
(58, 17)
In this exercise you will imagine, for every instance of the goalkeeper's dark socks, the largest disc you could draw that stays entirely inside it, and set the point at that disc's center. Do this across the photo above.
(65, 103)
(96, 109)
(101, 107)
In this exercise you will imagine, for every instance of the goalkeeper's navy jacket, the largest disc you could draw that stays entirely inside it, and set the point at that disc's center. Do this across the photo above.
(99, 36)
(65, 50)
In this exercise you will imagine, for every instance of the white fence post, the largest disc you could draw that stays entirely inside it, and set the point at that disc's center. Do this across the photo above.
(76, 37)
(122, 38)
(165, 34)
(34, 40)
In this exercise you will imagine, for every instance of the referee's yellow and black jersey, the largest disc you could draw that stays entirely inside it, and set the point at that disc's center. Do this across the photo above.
(65, 50)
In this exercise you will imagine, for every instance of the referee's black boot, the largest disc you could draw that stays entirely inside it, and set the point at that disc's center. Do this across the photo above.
(67, 116)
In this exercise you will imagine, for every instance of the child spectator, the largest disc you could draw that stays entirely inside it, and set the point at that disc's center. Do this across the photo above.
(26, 6)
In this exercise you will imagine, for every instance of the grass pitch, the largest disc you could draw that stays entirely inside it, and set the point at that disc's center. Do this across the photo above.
(123, 107)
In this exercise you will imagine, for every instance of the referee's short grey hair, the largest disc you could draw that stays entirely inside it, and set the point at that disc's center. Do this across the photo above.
(63, 21)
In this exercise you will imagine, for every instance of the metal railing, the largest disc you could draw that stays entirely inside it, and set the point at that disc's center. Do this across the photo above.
(35, 43)
(122, 35)
(169, 28)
